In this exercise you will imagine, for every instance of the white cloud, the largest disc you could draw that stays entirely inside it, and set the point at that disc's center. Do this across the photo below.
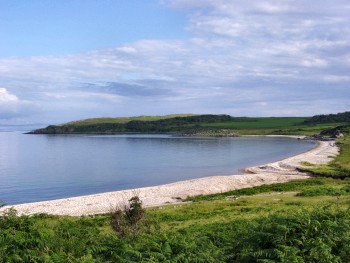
(223, 26)
(337, 78)
(314, 62)
(7, 98)
(127, 49)
(274, 7)
(12, 107)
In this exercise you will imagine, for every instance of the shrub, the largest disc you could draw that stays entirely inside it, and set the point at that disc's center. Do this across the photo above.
(126, 218)
(346, 189)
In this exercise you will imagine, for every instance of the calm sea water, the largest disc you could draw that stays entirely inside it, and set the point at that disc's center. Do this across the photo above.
(45, 167)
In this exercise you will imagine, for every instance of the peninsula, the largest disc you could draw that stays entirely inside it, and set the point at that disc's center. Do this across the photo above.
(202, 125)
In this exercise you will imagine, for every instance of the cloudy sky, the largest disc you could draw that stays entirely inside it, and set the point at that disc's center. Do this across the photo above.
(65, 60)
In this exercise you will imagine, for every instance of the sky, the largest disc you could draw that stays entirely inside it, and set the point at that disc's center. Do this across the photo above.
(63, 60)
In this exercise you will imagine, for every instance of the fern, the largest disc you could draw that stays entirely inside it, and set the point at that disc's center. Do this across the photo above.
(58, 257)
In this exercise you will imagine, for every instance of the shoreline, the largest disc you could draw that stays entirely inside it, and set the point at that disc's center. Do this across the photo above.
(276, 172)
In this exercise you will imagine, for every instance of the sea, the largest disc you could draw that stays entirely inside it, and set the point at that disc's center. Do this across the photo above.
(45, 167)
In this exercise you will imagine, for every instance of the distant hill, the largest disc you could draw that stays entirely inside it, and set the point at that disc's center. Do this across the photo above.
(201, 125)
(125, 119)
(330, 118)
(141, 124)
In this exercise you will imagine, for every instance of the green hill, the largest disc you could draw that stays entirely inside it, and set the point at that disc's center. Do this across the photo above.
(141, 124)
(329, 118)
(93, 121)
(191, 124)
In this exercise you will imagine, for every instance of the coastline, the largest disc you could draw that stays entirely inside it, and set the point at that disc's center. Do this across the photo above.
(276, 172)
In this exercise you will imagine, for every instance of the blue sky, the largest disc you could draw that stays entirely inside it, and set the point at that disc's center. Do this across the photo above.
(66, 60)
(44, 27)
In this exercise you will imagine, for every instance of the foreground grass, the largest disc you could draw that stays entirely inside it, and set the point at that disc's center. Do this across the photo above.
(292, 222)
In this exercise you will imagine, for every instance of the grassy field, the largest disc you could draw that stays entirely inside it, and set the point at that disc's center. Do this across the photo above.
(261, 123)
(272, 125)
(254, 202)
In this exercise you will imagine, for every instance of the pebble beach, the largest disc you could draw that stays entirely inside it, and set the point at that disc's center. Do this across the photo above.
(277, 172)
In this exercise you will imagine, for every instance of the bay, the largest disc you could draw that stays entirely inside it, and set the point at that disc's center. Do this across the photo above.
(46, 167)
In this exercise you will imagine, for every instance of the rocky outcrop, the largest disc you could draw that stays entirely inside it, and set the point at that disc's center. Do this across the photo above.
(336, 132)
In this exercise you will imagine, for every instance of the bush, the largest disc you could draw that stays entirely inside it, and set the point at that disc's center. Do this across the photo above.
(346, 189)
(126, 218)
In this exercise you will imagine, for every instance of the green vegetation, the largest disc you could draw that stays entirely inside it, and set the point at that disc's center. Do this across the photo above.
(202, 125)
(296, 185)
(275, 226)
(93, 121)
(330, 118)
(275, 126)
(126, 218)
(143, 124)
(324, 190)
(299, 221)
(340, 166)
(304, 163)
(317, 186)
(343, 129)
(262, 126)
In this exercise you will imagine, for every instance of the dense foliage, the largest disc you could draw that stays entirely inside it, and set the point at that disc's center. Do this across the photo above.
(317, 236)
(320, 235)
(329, 118)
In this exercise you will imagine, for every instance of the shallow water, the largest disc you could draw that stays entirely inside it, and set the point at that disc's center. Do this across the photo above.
(45, 167)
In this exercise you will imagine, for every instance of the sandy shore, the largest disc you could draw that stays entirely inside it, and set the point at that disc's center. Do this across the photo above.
(277, 172)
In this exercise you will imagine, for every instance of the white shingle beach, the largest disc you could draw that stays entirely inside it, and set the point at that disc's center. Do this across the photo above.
(276, 172)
